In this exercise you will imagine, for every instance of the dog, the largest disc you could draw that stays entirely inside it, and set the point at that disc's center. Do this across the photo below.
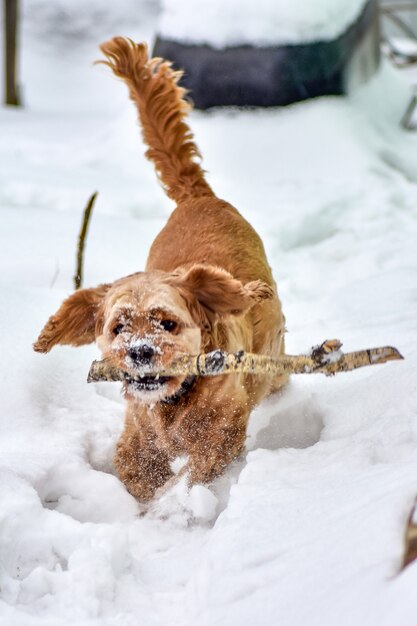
(207, 285)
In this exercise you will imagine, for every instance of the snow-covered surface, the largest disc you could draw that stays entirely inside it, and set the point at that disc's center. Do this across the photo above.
(308, 527)
(263, 23)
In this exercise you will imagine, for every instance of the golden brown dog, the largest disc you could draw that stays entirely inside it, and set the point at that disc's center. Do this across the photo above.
(207, 285)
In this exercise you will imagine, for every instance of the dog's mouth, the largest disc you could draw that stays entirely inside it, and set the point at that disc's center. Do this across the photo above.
(147, 383)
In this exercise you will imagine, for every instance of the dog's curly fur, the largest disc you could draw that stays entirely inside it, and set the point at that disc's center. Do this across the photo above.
(207, 285)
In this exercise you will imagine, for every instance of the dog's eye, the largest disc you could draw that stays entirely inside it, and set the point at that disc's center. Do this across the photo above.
(118, 329)
(168, 325)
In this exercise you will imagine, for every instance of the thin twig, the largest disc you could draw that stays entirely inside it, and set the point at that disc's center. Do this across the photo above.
(410, 539)
(325, 359)
(78, 278)
(402, 25)
(398, 6)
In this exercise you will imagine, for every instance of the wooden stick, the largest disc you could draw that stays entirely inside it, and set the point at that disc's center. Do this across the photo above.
(410, 539)
(10, 26)
(326, 358)
(78, 278)
(398, 6)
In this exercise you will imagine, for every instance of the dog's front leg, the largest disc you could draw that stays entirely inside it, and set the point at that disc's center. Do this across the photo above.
(217, 445)
(141, 465)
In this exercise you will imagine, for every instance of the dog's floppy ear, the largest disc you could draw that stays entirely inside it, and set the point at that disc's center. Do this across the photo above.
(218, 292)
(77, 322)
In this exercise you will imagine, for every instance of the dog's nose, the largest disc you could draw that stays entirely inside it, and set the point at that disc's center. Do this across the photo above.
(142, 355)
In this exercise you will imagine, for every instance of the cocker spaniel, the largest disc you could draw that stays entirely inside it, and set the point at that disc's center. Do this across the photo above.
(207, 285)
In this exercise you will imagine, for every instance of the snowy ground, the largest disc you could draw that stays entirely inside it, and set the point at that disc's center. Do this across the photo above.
(261, 23)
(307, 528)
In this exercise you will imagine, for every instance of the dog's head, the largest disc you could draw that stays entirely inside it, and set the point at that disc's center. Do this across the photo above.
(149, 319)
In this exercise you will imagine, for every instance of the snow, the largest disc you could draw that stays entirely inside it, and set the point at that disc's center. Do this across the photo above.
(402, 45)
(261, 23)
(307, 527)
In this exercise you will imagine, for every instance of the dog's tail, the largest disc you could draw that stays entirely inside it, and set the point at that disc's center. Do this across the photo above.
(153, 87)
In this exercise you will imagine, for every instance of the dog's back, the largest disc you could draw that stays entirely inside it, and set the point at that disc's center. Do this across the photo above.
(202, 229)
